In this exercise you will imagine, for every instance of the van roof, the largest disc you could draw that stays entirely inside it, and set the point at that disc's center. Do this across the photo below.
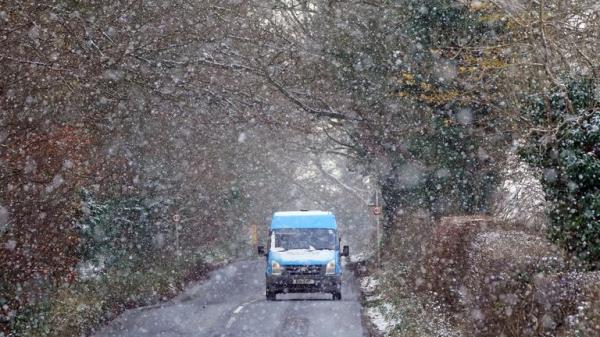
(303, 219)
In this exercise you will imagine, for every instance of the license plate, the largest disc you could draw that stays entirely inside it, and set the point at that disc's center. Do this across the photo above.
(303, 281)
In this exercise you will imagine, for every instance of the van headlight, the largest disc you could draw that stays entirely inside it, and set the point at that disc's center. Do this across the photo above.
(276, 268)
(330, 268)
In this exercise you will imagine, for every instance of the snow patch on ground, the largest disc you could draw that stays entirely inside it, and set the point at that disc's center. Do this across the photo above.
(380, 317)
(356, 258)
(384, 315)
(394, 310)
(368, 284)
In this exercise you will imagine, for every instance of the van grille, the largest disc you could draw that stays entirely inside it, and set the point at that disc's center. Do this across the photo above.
(304, 270)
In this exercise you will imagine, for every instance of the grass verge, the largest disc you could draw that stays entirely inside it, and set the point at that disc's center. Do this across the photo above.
(79, 308)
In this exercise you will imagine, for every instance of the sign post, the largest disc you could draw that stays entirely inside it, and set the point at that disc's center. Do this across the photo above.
(376, 209)
(177, 219)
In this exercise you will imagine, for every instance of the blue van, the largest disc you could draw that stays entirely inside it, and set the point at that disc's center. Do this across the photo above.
(303, 254)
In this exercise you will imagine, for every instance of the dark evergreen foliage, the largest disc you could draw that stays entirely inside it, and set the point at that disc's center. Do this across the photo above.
(569, 158)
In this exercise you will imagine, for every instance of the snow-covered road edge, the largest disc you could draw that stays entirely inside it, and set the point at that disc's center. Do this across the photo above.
(382, 314)
(395, 311)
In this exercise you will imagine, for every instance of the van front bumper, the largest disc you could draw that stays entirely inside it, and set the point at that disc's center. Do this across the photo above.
(304, 283)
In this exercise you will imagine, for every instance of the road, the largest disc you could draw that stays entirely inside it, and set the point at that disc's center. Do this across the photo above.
(232, 303)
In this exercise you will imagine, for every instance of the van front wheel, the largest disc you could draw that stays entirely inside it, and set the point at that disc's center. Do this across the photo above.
(337, 296)
(271, 296)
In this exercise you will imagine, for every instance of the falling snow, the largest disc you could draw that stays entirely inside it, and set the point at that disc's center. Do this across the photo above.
(145, 148)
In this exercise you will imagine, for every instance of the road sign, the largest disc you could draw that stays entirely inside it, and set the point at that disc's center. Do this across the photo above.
(376, 210)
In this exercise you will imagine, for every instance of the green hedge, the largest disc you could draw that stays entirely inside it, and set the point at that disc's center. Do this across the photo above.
(568, 156)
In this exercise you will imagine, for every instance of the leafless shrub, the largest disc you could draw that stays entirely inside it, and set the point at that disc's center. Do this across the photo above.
(566, 304)
(500, 281)
(498, 286)
(407, 240)
(445, 261)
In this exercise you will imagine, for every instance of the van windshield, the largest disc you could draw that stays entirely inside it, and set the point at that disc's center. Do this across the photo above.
(303, 238)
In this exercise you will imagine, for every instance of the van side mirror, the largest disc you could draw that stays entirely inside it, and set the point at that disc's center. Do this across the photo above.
(261, 250)
(346, 251)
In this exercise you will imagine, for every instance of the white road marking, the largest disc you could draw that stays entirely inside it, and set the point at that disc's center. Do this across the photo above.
(230, 322)
(236, 311)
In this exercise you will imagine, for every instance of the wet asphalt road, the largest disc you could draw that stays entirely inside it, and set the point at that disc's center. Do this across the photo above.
(232, 303)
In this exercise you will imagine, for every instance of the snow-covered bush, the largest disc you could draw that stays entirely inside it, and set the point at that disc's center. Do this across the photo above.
(520, 198)
(116, 233)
